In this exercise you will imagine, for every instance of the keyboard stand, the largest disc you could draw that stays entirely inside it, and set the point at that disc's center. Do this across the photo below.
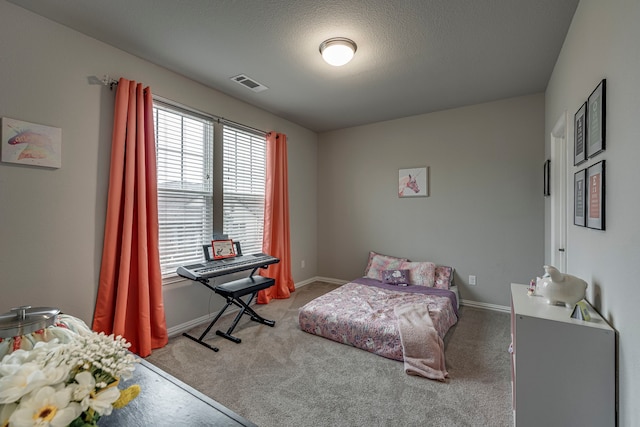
(233, 291)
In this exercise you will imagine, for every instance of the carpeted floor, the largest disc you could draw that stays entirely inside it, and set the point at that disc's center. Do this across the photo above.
(282, 376)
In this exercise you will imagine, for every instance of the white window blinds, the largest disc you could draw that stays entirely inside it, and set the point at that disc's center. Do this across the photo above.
(244, 160)
(184, 147)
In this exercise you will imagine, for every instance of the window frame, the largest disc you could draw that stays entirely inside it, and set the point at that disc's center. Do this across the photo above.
(170, 193)
(249, 150)
(216, 195)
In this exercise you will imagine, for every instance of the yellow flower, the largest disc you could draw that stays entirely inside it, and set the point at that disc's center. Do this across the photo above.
(126, 396)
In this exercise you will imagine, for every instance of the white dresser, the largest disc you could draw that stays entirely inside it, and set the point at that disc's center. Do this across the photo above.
(563, 369)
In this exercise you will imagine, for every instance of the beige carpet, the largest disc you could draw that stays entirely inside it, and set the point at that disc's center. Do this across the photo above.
(282, 376)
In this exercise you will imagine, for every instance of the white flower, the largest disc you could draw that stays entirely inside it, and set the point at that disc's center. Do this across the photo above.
(84, 392)
(27, 377)
(12, 361)
(102, 402)
(37, 354)
(5, 413)
(86, 384)
(46, 407)
(52, 384)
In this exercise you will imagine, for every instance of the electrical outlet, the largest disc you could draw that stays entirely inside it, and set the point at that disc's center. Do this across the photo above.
(472, 280)
(302, 264)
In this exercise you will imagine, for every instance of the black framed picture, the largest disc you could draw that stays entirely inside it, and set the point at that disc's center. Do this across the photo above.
(595, 198)
(580, 198)
(596, 120)
(546, 189)
(579, 134)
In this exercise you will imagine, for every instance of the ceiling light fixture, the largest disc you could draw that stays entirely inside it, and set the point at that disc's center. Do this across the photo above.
(337, 51)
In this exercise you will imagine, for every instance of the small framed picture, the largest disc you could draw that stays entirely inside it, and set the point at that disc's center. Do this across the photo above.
(595, 198)
(579, 198)
(596, 120)
(413, 182)
(31, 143)
(546, 186)
(223, 249)
(579, 134)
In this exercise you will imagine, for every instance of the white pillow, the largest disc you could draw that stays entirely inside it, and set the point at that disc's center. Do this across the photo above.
(420, 273)
(379, 263)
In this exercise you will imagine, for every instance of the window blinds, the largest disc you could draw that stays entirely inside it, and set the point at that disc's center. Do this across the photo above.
(184, 151)
(244, 163)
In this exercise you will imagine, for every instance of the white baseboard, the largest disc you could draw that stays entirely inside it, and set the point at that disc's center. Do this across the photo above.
(307, 282)
(184, 327)
(485, 306)
(330, 280)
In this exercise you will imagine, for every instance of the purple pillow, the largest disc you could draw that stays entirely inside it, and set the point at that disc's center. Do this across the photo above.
(396, 277)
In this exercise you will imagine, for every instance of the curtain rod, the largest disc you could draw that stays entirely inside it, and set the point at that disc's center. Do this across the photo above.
(106, 80)
(240, 125)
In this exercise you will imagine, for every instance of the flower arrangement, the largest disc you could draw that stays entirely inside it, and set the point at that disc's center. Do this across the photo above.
(66, 384)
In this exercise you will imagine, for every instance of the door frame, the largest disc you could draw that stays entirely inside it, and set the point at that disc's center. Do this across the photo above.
(558, 182)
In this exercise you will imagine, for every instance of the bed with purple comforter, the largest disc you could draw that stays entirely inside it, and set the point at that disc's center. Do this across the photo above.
(361, 314)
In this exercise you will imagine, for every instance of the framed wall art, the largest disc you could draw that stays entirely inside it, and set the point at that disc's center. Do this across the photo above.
(595, 198)
(579, 133)
(579, 198)
(413, 182)
(31, 144)
(596, 119)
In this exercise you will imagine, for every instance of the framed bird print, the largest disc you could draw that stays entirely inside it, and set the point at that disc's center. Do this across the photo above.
(31, 144)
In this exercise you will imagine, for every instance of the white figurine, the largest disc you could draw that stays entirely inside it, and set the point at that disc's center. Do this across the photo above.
(558, 287)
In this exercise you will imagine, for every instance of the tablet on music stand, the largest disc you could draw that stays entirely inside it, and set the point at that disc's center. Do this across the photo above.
(223, 249)
(208, 252)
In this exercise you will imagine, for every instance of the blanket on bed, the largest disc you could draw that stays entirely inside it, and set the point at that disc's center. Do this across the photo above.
(411, 289)
(422, 346)
(361, 314)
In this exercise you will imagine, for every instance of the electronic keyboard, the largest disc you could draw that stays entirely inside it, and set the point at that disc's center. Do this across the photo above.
(205, 270)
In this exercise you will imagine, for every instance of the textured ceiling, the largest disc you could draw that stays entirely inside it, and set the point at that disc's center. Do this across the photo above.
(413, 57)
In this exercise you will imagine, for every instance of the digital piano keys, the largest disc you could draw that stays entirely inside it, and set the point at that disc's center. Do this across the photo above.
(208, 269)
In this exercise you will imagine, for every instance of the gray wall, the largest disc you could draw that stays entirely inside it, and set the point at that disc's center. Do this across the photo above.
(52, 220)
(602, 42)
(484, 215)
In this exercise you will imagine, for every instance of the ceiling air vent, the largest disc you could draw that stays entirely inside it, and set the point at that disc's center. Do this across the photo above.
(249, 82)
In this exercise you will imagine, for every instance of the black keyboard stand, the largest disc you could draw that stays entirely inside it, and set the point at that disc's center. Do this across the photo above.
(233, 291)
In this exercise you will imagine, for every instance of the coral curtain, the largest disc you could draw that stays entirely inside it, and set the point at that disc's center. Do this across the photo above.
(276, 241)
(129, 301)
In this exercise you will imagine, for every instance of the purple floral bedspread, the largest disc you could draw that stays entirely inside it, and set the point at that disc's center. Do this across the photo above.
(360, 314)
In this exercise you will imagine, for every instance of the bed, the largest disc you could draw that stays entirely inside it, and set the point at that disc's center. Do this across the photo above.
(399, 321)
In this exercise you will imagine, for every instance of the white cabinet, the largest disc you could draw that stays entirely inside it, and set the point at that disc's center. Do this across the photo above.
(563, 369)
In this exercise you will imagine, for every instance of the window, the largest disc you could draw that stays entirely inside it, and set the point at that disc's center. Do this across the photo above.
(244, 160)
(184, 151)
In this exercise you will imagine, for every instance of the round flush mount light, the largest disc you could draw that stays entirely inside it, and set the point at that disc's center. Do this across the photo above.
(337, 51)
